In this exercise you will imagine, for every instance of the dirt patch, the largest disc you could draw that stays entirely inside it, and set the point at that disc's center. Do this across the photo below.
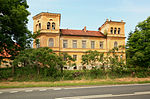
(132, 79)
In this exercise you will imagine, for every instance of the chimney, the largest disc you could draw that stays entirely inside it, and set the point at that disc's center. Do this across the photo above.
(84, 29)
(99, 29)
(121, 20)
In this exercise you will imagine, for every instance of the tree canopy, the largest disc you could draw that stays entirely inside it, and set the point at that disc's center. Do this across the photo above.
(13, 29)
(138, 45)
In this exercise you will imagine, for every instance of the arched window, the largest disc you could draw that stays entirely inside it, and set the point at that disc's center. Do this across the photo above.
(115, 44)
(53, 26)
(118, 30)
(51, 42)
(36, 27)
(48, 25)
(115, 30)
(39, 26)
(111, 31)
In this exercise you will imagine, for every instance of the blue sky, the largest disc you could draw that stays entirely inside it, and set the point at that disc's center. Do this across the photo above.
(75, 14)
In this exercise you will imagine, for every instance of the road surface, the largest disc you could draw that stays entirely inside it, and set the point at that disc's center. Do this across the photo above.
(135, 91)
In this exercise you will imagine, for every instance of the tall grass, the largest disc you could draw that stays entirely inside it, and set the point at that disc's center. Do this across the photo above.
(46, 74)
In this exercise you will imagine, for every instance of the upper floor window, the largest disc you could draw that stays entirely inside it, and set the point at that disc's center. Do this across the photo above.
(65, 43)
(53, 26)
(118, 30)
(36, 28)
(115, 44)
(83, 44)
(115, 30)
(101, 45)
(48, 25)
(75, 57)
(92, 44)
(74, 45)
(51, 42)
(39, 26)
(111, 30)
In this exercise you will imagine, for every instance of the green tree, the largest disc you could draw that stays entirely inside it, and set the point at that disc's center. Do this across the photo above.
(13, 29)
(65, 59)
(138, 45)
(90, 58)
(42, 58)
(39, 58)
(111, 60)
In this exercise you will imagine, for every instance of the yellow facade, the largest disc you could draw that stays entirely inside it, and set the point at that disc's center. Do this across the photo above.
(114, 31)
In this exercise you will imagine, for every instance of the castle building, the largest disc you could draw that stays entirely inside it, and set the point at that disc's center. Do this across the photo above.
(76, 42)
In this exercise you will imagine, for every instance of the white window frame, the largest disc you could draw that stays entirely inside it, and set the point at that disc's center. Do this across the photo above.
(65, 43)
(74, 43)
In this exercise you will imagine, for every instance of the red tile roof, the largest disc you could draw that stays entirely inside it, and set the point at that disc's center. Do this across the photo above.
(5, 54)
(81, 33)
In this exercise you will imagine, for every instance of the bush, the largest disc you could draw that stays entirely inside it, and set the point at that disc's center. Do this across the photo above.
(5, 73)
(48, 74)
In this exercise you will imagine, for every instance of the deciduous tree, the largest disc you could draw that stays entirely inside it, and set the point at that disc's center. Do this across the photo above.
(138, 45)
(13, 29)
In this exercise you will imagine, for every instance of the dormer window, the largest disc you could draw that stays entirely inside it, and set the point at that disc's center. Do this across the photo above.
(48, 25)
(118, 30)
(39, 26)
(111, 31)
(53, 26)
(115, 30)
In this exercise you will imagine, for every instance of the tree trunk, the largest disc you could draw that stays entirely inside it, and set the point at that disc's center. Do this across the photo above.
(38, 70)
(13, 70)
(61, 67)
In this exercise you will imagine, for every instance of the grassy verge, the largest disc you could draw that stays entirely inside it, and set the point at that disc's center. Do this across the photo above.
(75, 83)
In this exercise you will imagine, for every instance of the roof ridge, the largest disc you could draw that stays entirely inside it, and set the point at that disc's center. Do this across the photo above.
(80, 30)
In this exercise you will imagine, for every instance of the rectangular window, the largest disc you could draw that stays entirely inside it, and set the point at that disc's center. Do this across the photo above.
(74, 45)
(92, 44)
(65, 43)
(38, 45)
(101, 45)
(51, 42)
(75, 57)
(83, 44)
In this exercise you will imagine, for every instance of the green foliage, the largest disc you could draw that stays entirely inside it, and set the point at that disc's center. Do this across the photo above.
(110, 60)
(13, 28)
(65, 59)
(5, 73)
(41, 57)
(47, 74)
(90, 58)
(138, 45)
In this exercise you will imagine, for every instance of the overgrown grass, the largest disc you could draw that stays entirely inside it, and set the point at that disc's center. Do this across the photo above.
(30, 74)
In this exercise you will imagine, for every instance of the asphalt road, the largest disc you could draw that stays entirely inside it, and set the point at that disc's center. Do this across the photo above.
(137, 91)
